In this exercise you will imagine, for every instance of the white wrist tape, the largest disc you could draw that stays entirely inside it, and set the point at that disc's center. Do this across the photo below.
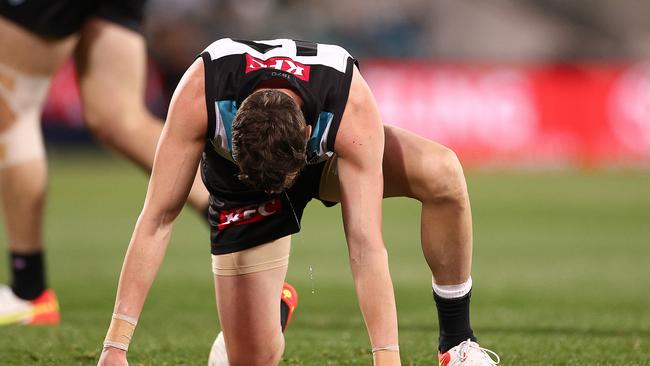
(126, 318)
(120, 331)
(389, 348)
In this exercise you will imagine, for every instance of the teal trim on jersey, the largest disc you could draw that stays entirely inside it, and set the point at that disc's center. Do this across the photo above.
(227, 110)
(313, 144)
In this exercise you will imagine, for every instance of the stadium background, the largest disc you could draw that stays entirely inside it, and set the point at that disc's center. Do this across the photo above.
(547, 103)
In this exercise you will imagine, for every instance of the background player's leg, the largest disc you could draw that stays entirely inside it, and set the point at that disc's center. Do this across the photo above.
(111, 64)
(23, 189)
(250, 317)
(26, 64)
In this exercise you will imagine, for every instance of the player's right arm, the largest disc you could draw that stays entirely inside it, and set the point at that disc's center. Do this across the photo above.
(177, 157)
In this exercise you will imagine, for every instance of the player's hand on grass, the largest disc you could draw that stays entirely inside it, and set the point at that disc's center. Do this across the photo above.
(112, 357)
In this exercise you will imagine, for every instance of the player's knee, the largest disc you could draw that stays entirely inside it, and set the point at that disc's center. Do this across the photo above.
(21, 101)
(109, 126)
(444, 180)
(99, 123)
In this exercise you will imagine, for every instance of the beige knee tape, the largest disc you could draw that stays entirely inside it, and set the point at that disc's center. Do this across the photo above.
(120, 331)
(328, 189)
(263, 257)
(21, 102)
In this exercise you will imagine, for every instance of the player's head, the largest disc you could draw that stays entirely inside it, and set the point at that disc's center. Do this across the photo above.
(269, 140)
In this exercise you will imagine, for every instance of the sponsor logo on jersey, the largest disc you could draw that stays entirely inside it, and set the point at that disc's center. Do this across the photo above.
(285, 64)
(248, 214)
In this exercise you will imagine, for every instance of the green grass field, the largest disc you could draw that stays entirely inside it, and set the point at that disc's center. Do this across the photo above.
(561, 273)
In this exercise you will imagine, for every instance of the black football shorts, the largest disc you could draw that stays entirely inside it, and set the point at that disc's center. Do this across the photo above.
(61, 18)
(242, 218)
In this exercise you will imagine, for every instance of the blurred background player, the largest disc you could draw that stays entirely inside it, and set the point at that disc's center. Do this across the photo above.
(36, 38)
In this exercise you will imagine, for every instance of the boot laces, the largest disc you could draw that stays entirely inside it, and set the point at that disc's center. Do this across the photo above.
(466, 346)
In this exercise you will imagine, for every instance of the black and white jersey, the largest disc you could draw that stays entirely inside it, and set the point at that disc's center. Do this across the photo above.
(320, 73)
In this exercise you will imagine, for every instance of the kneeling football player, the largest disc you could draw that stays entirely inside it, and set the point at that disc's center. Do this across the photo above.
(274, 124)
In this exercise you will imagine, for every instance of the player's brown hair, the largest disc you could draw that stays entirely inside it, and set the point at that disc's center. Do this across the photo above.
(268, 140)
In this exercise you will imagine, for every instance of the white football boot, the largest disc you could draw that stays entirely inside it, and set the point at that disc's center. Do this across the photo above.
(44, 310)
(468, 353)
(218, 355)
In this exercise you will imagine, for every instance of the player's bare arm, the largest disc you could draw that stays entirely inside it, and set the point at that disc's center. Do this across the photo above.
(360, 146)
(176, 161)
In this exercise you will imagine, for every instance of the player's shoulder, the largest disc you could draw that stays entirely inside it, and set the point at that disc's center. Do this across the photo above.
(187, 109)
(229, 46)
(360, 116)
(190, 91)
(360, 94)
(333, 49)
(216, 48)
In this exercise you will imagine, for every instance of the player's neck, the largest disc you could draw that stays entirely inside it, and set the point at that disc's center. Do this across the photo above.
(282, 86)
(295, 96)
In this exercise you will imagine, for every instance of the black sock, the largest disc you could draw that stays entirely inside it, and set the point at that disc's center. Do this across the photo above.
(284, 315)
(27, 274)
(453, 316)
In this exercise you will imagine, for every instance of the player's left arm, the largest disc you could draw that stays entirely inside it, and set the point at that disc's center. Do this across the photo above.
(359, 147)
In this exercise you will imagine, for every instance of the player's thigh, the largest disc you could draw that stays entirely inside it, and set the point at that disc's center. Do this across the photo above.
(248, 284)
(414, 166)
(250, 301)
(27, 63)
(259, 258)
(31, 54)
(111, 66)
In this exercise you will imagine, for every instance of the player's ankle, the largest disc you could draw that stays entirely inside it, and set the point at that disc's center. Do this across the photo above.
(453, 303)
(28, 275)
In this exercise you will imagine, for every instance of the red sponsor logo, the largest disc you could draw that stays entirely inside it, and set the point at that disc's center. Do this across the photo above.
(248, 214)
(279, 63)
(629, 108)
